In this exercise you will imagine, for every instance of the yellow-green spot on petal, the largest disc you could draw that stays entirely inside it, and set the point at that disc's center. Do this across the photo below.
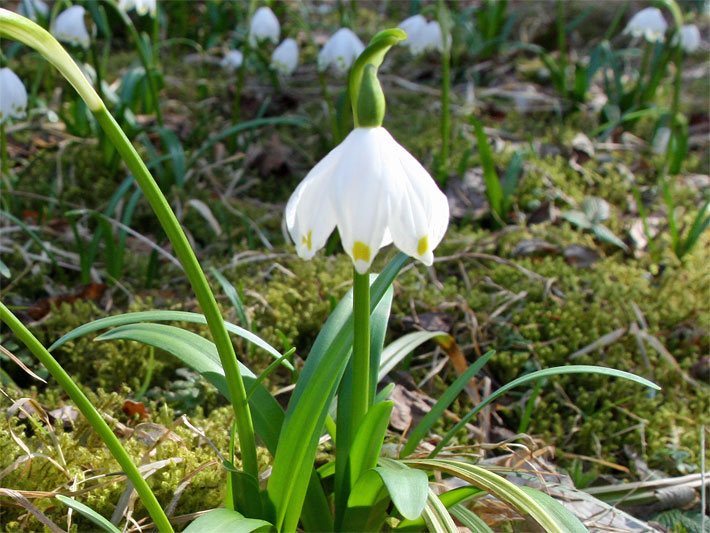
(361, 251)
(423, 245)
(308, 240)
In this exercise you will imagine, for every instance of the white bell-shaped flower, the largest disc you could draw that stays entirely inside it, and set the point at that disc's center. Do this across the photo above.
(689, 38)
(341, 51)
(13, 96)
(33, 8)
(142, 7)
(649, 24)
(284, 59)
(264, 27)
(375, 193)
(69, 27)
(422, 36)
(232, 60)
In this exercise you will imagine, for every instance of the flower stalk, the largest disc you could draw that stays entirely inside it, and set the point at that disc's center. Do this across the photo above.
(92, 415)
(32, 35)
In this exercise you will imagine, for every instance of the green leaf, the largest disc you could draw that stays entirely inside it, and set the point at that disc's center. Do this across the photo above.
(233, 295)
(577, 218)
(437, 517)
(533, 376)
(367, 443)
(393, 354)
(163, 316)
(450, 499)
(437, 411)
(498, 486)
(177, 155)
(89, 513)
(4, 271)
(569, 522)
(311, 400)
(494, 190)
(30, 233)
(469, 519)
(226, 521)
(201, 355)
(605, 234)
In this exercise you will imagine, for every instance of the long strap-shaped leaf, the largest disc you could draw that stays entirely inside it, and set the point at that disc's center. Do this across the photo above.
(534, 376)
(499, 487)
(309, 405)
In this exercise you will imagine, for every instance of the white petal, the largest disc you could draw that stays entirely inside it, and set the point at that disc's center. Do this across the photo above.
(412, 26)
(648, 23)
(264, 26)
(13, 95)
(420, 213)
(232, 60)
(361, 195)
(32, 8)
(69, 27)
(285, 57)
(341, 50)
(310, 216)
(689, 38)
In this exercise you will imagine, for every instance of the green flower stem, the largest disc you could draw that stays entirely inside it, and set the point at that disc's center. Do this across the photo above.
(639, 97)
(445, 113)
(4, 163)
(149, 64)
(93, 416)
(361, 349)
(32, 35)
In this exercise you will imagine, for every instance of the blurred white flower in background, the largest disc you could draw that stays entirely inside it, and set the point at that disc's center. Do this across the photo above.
(13, 95)
(264, 27)
(649, 24)
(341, 51)
(375, 193)
(32, 8)
(142, 7)
(689, 38)
(70, 27)
(422, 36)
(661, 139)
(284, 59)
(232, 60)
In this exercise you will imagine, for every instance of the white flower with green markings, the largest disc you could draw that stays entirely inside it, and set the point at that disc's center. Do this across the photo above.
(649, 24)
(284, 59)
(264, 27)
(375, 193)
(340, 51)
(142, 7)
(13, 96)
(70, 27)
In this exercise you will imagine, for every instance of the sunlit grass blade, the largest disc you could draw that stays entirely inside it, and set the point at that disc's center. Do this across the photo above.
(88, 513)
(446, 399)
(232, 295)
(498, 486)
(569, 521)
(163, 316)
(533, 376)
(469, 519)
(397, 350)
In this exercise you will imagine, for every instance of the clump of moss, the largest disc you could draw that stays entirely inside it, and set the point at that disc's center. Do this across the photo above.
(161, 437)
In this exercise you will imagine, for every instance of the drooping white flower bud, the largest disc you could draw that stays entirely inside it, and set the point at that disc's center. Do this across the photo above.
(232, 60)
(264, 27)
(142, 7)
(689, 38)
(284, 59)
(70, 27)
(340, 51)
(649, 24)
(13, 96)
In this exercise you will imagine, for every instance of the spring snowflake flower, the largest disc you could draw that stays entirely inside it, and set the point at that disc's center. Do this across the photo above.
(375, 193)
(32, 8)
(264, 27)
(340, 51)
(284, 59)
(142, 7)
(69, 27)
(422, 36)
(13, 95)
(232, 60)
(689, 38)
(649, 24)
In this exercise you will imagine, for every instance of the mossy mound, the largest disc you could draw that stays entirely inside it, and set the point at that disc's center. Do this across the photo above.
(71, 459)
